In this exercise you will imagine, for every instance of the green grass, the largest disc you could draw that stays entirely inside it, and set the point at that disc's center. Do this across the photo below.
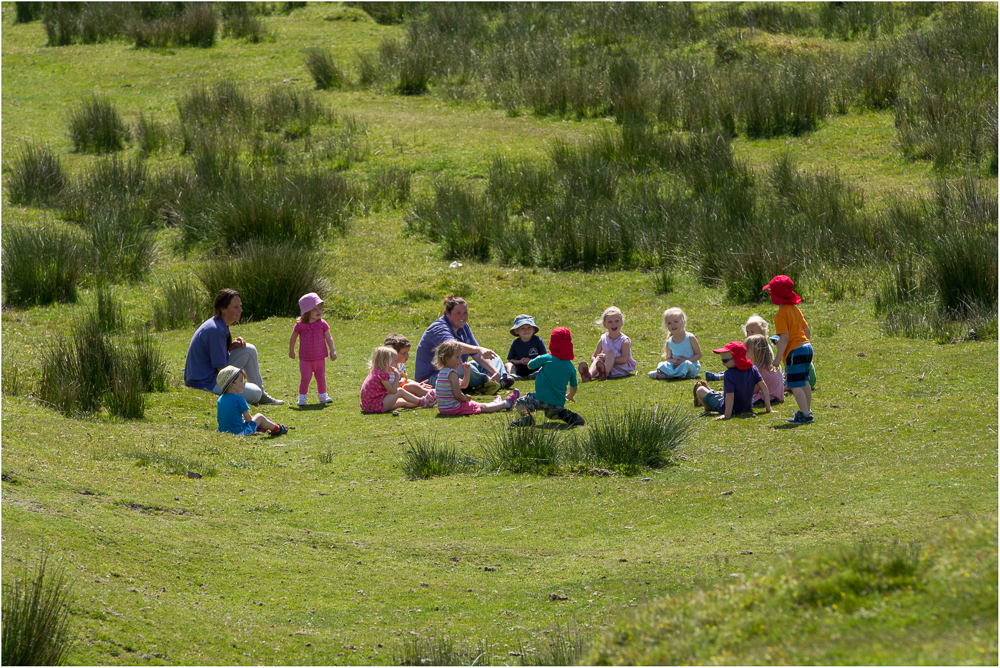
(315, 547)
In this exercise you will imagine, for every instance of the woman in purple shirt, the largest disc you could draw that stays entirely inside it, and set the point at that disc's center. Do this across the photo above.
(453, 325)
(212, 348)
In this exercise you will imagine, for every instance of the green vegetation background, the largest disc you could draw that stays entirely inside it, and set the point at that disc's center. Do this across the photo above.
(313, 548)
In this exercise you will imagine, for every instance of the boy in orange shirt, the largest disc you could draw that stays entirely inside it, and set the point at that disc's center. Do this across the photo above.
(793, 347)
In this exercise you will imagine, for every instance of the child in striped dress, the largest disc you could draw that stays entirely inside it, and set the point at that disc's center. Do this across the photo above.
(451, 400)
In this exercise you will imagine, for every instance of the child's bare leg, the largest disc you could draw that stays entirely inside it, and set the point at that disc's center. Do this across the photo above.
(702, 391)
(493, 407)
(262, 421)
(803, 397)
(399, 399)
(416, 389)
(595, 368)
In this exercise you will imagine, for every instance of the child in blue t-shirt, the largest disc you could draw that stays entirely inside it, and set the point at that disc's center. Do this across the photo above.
(233, 412)
(526, 347)
(739, 383)
(555, 372)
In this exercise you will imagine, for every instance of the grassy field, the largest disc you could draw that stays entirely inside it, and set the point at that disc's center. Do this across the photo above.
(314, 547)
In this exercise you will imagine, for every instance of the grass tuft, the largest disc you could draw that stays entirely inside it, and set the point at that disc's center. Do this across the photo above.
(183, 303)
(323, 70)
(633, 438)
(36, 630)
(523, 450)
(36, 178)
(427, 459)
(42, 265)
(97, 127)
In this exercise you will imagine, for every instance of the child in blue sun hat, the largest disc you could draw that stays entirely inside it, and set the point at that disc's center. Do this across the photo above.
(526, 347)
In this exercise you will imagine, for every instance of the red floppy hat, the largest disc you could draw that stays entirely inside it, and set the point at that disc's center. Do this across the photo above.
(780, 289)
(739, 352)
(561, 343)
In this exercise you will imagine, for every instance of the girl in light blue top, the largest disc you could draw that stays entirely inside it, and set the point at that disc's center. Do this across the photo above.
(681, 349)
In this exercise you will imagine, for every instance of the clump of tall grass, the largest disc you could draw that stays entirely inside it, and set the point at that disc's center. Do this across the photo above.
(13, 377)
(790, 97)
(270, 277)
(97, 127)
(36, 177)
(114, 186)
(151, 136)
(26, 12)
(183, 303)
(633, 438)
(460, 219)
(122, 245)
(240, 21)
(432, 650)
(962, 268)
(879, 75)
(425, 458)
(42, 265)
(109, 313)
(390, 185)
(223, 104)
(323, 69)
(385, 13)
(523, 450)
(36, 628)
(188, 24)
(84, 23)
(289, 111)
(90, 368)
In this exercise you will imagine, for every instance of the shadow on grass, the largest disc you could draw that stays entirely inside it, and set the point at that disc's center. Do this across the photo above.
(309, 407)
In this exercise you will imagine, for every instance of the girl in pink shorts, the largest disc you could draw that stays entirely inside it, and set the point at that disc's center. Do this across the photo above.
(315, 339)
(451, 400)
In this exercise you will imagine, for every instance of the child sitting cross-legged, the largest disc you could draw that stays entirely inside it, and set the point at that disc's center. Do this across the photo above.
(233, 411)
(451, 400)
(555, 372)
(739, 382)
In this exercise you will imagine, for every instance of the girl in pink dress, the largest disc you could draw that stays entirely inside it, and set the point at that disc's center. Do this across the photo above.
(612, 357)
(380, 393)
(315, 339)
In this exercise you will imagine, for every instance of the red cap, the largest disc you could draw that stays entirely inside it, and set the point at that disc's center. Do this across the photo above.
(739, 352)
(561, 343)
(781, 291)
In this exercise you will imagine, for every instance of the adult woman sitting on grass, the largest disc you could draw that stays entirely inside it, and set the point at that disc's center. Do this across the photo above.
(453, 325)
(212, 348)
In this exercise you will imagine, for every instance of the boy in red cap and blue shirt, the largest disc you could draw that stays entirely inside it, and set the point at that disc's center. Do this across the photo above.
(793, 346)
(739, 382)
(555, 372)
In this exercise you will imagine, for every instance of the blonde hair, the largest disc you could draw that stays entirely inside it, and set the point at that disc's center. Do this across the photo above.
(674, 311)
(757, 320)
(445, 352)
(611, 310)
(383, 358)
(759, 351)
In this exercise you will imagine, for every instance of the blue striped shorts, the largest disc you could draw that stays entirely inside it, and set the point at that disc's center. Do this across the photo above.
(797, 366)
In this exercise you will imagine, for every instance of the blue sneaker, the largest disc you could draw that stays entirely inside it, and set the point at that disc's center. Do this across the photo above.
(712, 376)
(801, 418)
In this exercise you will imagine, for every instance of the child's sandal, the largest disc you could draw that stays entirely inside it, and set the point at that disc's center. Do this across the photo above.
(279, 430)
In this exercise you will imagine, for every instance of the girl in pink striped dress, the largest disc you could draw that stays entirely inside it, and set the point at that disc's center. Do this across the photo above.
(451, 400)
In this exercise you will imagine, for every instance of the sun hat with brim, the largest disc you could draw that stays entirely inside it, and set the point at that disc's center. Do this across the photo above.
(561, 344)
(780, 289)
(227, 376)
(521, 321)
(739, 352)
(309, 302)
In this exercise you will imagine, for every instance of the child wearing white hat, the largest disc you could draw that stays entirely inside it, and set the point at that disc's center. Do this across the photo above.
(526, 346)
(233, 411)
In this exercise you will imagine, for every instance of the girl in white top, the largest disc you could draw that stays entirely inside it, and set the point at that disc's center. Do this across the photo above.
(612, 357)
(681, 349)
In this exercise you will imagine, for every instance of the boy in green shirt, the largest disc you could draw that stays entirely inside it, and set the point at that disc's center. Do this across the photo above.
(556, 371)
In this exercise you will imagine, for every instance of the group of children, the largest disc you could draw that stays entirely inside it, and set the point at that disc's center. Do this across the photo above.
(751, 376)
